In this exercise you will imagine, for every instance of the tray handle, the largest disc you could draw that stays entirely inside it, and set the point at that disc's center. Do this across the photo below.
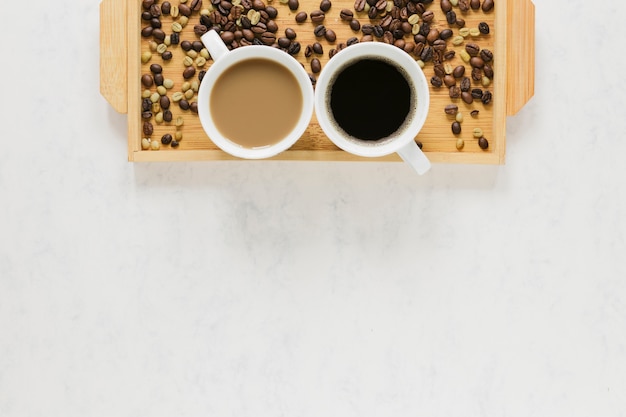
(113, 55)
(520, 55)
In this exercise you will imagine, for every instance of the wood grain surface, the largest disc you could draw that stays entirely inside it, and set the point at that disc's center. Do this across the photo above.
(512, 86)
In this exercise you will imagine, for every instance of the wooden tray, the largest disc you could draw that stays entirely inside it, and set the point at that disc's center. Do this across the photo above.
(512, 41)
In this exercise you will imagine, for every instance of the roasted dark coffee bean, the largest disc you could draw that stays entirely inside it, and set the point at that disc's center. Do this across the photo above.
(167, 56)
(148, 129)
(268, 38)
(409, 47)
(245, 22)
(456, 128)
(256, 4)
(316, 66)
(183, 104)
(446, 6)
(318, 48)
(193, 106)
(146, 115)
(466, 96)
(472, 49)
(158, 79)
(378, 31)
(432, 36)
(227, 37)
(406, 27)
(201, 75)
(184, 10)
(380, 5)
(477, 74)
(451, 109)
(293, 4)
(319, 31)
(475, 4)
(464, 5)
(448, 55)
(427, 54)
(477, 62)
(439, 45)
(451, 17)
(372, 3)
(200, 30)
(175, 144)
(331, 53)
(146, 16)
(197, 46)
(290, 34)
(372, 13)
(147, 80)
(465, 84)
(259, 28)
(147, 3)
(474, 113)
(367, 38)
(330, 35)
(458, 71)
(486, 55)
(196, 5)
(439, 70)
(317, 16)
(399, 43)
(388, 38)
(166, 7)
(449, 80)
(294, 48)
(272, 26)
(424, 29)
(155, 10)
(359, 5)
(167, 116)
(146, 104)
(487, 97)
(185, 46)
(455, 91)
(352, 41)
(428, 16)
(248, 34)
(483, 27)
(487, 5)
(189, 72)
(398, 34)
(477, 93)
(284, 42)
(166, 139)
(308, 51)
(446, 34)
(483, 143)
(271, 11)
(155, 23)
(257, 41)
(367, 29)
(147, 31)
(355, 24)
(156, 69)
(346, 14)
(325, 5)
(488, 70)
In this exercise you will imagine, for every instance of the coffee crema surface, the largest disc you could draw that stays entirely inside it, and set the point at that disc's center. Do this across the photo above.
(256, 103)
(370, 99)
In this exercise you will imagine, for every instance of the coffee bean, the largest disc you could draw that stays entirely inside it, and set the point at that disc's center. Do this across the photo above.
(483, 143)
(465, 84)
(359, 5)
(293, 4)
(155, 10)
(464, 5)
(351, 41)
(284, 42)
(432, 36)
(271, 11)
(451, 17)
(290, 34)
(436, 81)
(166, 139)
(380, 5)
(330, 35)
(446, 34)
(460, 144)
(488, 70)
(184, 10)
(325, 5)
(477, 93)
(456, 128)
(319, 31)
(294, 48)
(189, 72)
(487, 97)
(449, 80)
(318, 48)
(367, 29)
(158, 79)
(346, 14)
(372, 13)
(449, 55)
(167, 116)
(477, 74)
(466, 96)
(477, 62)
(197, 46)
(317, 16)
(156, 69)
(316, 66)
(474, 113)
(183, 104)
(147, 3)
(439, 70)
(268, 38)
(483, 28)
(451, 109)
(378, 31)
(455, 92)
(194, 107)
(472, 49)
(475, 4)
(331, 53)
(146, 115)
(147, 80)
(155, 23)
(148, 129)
(428, 16)
(446, 6)
(487, 5)
(272, 26)
(486, 55)
(355, 25)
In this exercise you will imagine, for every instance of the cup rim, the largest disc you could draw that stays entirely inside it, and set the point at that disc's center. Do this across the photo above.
(255, 52)
(359, 51)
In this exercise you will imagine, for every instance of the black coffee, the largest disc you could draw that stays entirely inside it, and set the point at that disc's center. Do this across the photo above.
(370, 99)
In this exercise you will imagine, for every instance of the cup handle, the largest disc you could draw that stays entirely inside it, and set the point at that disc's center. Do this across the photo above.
(413, 155)
(214, 44)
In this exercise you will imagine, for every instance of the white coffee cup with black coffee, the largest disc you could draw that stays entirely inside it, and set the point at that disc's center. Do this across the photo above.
(372, 100)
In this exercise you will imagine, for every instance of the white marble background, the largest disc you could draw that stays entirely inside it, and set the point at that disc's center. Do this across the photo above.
(311, 289)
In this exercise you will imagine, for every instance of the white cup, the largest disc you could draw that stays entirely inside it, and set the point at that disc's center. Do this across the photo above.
(223, 61)
(402, 140)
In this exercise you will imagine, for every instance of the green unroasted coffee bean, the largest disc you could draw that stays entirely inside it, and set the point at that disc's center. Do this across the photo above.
(415, 29)
(156, 107)
(161, 90)
(177, 27)
(192, 53)
(457, 40)
(153, 46)
(200, 62)
(161, 48)
(447, 67)
(183, 20)
(454, 2)
(178, 135)
(177, 96)
(465, 56)
(195, 86)
(174, 11)
(486, 81)
(155, 97)
(146, 56)
(186, 86)
(413, 19)
(146, 94)
(145, 144)
(158, 117)
(459, 117)
(189, 94)
(155, 145)
(474, 32)
(188, 61)
(168, 83)
(179, 121)
(204, 53)
(421, 63)
(460, 144)
(478, 132)
(464, 32)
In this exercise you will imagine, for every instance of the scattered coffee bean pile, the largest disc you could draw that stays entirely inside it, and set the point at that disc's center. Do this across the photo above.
(412, 25)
